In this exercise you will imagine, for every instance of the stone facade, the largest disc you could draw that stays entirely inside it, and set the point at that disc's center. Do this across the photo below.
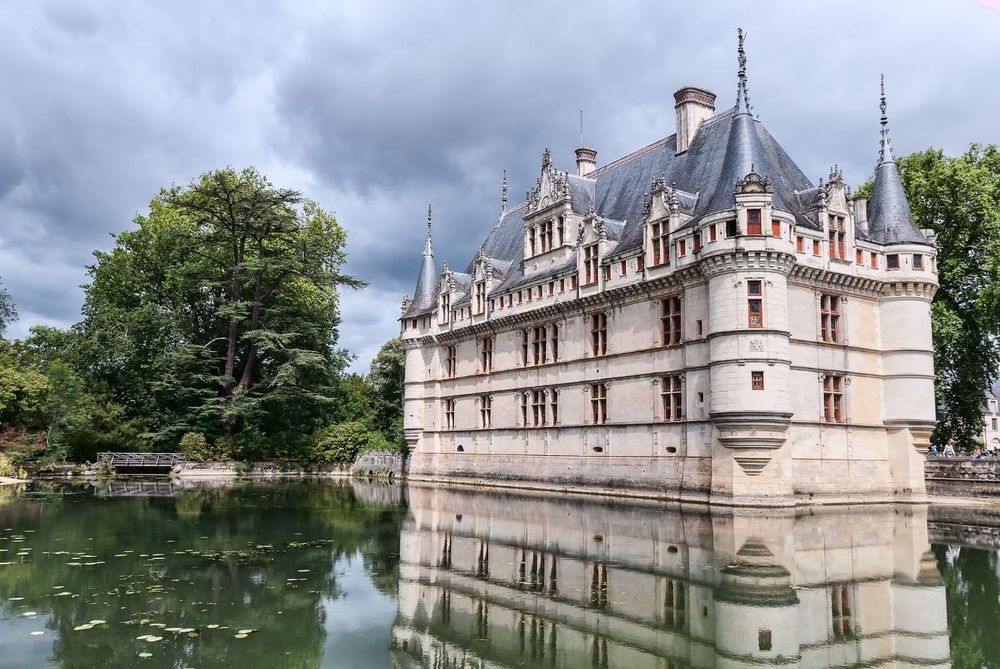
(991, 420)
(740, 335)
(509, 580)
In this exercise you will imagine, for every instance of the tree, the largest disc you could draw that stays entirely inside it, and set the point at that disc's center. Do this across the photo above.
(959, 199)
(8, 313)
(219, 313)
(386, 380)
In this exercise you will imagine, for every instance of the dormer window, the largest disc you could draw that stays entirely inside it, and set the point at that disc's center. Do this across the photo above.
(838, 238)
(445, 307)
(545, 236)
(753, 222)
(590, 264)
(480, 297)
(661, 246)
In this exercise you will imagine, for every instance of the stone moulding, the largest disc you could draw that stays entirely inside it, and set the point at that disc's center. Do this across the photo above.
(752, 429)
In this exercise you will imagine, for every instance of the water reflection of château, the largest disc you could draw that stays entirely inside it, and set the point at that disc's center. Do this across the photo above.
(497, 580)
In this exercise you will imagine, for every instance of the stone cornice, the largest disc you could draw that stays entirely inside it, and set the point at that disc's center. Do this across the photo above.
(817, 277)
(741, 259)
(911, 288)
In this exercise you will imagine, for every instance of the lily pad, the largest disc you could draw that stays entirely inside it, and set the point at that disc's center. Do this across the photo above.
(85, 626)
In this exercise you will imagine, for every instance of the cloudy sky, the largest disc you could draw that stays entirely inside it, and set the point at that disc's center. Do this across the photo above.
(375, 108)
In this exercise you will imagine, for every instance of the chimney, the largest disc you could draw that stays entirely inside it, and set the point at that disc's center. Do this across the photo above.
(586, 161)
(861, 212)
(693, 105)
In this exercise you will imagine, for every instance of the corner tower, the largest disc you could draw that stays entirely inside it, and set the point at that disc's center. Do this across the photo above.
(908, 407)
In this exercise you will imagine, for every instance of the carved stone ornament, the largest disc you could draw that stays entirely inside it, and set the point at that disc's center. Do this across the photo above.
(752, 183)
(757, 345)
(552, 186)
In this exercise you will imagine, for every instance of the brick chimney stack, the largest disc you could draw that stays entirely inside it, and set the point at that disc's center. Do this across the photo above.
(586, 161)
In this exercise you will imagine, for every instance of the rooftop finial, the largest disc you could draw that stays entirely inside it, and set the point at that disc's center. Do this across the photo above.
(427, 244)
(742, 91)
(503, 193)
(581, 127)
(885, 153)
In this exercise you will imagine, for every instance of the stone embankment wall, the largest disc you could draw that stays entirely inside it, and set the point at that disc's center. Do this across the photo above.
(388, 464)
(962, 476)
(259, 470)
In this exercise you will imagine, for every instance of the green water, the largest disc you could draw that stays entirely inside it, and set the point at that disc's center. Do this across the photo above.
(367, 575)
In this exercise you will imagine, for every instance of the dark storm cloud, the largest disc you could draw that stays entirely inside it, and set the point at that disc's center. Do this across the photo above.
(374, 109)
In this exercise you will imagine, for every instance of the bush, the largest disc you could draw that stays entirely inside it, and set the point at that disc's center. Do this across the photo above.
(378, 442)
(340, 443)
(9, 468)
(194, 447)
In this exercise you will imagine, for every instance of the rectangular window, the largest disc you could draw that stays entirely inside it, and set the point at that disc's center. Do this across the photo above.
(994, 424)
(607, 272)
(480, 297)
(554, 341)
(413, 324)
(449, 414)
(833, 399)
(524, 409)
(799, 244)
(918, 261)
(711, 233)
(599, 334)
(624, 268)
(756, 380)
(874, 260)
(840, 612)
(450, 361)
(672, 398)
(486, 354)
(510, 300)
(561, 231)
(531, 241)
(573, 282)
(753, 222)
(829, 317)
(815, 247)
(858, 256)
(562, 285)
(538, 408)
(892, 261)
(590, 264)
(775, 228)
(837, 238)
(554, 406)
(538, 345)
(697, 324)
(697, 242)
(683, 248)
(670, 321)
(731, 228)
(445, 307)
(546, 236)
(485, 411)
(661, 245)
(675, 605)
(640, 263)
(552, 287)
(755, 304)
(598, 403)
(524, 348)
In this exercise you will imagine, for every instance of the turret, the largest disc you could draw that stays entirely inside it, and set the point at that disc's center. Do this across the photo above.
(908, 408)
(422, 304)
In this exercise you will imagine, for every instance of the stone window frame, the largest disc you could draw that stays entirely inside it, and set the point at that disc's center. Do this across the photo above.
(451, 361)
(671, 323)
(834, 390)
(839, 316)
(673, 393)
(486, 347)
(539, 406)
(591, 262)
(842, 614)
(599, 403)
(759, 298)
(660, 242)
(598, 330)
(449, 414)
(755, 376)
(486, 411)
(554, 405)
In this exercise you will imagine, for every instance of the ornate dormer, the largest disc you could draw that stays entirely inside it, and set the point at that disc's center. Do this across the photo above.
(754, 197)
(753, 183)
(483, 281)
(447, 294)
(836, 216)
(551, 187)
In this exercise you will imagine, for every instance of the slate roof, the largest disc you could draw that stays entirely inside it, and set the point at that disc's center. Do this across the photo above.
(889, 219)
(725, 149)
(425, 294)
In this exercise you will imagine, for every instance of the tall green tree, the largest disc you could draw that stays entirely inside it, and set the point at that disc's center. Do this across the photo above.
(8, 312)
(219, 313)
(959, 199)
(386, 380)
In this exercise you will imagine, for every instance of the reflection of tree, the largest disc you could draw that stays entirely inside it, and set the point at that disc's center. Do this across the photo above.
(973, 592)
(249, 557)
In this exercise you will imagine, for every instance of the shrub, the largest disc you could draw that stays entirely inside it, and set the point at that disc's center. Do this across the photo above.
(378, 442)
(340, 443)
(9, 468)
(194, 447)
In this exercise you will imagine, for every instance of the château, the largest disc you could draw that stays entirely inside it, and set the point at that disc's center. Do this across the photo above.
(695, 320)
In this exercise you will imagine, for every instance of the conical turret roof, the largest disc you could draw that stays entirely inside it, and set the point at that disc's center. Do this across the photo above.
(889, 218)
(424, 295)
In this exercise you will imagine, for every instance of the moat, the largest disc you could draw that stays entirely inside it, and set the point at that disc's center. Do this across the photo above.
(310, 574)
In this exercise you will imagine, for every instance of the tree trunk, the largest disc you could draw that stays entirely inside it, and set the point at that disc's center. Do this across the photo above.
(251, 362)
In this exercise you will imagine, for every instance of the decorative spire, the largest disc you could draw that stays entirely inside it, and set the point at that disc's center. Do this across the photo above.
(427, 244)
(742, 91)
(503, 194)
(885, 152)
